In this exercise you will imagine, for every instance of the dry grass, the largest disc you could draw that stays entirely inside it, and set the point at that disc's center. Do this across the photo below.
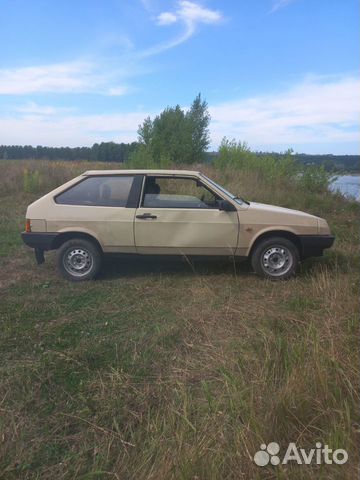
(176, 371)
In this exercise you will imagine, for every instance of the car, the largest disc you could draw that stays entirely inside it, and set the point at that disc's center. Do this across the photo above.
(166, 212)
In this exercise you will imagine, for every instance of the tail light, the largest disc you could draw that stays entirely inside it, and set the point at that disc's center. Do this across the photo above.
(27, 226)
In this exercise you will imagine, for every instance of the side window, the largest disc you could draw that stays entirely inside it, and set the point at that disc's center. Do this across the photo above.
(105, 191)
(165, 192)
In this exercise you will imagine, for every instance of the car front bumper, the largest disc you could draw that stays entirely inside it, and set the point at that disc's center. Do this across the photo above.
(314, 245)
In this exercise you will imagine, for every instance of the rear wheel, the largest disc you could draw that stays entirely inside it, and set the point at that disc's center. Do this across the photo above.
(276, 258)
(78, 260)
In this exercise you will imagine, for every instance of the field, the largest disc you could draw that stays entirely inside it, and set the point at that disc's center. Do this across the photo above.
(175, 369)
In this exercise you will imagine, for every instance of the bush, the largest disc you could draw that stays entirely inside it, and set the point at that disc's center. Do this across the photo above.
(237, 155)
(272, 169)
(314, 179)
(31, 181)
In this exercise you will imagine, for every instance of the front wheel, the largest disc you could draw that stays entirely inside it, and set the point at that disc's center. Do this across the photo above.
(78, 260)
(275, 258)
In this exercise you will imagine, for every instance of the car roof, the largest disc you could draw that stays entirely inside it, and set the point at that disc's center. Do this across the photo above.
(145, 172)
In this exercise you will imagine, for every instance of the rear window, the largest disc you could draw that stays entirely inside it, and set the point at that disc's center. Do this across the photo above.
(105, 191)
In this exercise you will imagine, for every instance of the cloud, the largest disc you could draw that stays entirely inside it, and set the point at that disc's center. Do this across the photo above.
(280, 4)
(166, 18)
(47, 78)
(69, 130)
(311, 115)
(32, 108)
(71, 77)
(317, 110)
(191, 12)
(190, 15)
(118, 91)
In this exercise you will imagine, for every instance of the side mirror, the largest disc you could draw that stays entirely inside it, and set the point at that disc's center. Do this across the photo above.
(226, 206)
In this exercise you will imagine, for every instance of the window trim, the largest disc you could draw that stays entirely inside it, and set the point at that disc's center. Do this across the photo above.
(178, 177)
(132, 200)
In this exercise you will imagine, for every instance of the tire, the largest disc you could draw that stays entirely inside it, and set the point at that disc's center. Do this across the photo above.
(275, 258)
(78, 260)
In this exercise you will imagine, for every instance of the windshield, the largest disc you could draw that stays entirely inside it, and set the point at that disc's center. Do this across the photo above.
(237, 199)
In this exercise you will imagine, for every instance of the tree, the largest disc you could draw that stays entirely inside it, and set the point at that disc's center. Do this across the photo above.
(199, 119)
(145, 132)
(171, 136)
(181, 137)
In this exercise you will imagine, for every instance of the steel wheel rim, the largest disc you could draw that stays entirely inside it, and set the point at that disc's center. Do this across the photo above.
(78, 261)
(277, 260)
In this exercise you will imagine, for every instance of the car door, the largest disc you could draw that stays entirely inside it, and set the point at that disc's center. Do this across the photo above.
(180, 215)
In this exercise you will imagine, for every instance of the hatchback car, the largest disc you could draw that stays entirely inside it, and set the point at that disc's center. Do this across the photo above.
(166, 212)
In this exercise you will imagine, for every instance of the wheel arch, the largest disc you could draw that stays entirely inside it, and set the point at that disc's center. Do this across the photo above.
(72, 234)
(277, 233)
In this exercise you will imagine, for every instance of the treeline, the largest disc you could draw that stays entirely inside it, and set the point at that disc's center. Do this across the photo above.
(99, 152)
(123, 152)
(338, 163)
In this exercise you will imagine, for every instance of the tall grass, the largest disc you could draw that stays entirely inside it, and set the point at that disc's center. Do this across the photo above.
(41, 176)
(238, 156)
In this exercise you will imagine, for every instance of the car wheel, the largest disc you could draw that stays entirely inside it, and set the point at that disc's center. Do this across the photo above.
(275, 258)
(79, 260)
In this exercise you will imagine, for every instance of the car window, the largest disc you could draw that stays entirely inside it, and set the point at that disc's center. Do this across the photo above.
(105, 191)
(164, 192)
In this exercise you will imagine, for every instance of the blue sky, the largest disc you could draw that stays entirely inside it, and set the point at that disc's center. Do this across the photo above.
(277, 74)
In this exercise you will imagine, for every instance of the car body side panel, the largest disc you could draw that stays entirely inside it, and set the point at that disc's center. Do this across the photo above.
(38, 225)
(187, 231)
(111, 226)
(256, 221)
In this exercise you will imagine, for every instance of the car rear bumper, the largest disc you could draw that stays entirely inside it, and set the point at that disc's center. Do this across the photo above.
(314, 245)
(39, 240)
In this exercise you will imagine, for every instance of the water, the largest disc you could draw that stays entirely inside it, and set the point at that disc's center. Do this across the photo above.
(348, 185)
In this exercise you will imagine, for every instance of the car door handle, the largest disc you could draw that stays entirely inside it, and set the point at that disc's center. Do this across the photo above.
(146, 216)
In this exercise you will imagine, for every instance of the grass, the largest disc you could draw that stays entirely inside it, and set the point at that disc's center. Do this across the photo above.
(171, 370)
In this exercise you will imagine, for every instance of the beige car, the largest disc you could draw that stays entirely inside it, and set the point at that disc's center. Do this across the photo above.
(166, 212)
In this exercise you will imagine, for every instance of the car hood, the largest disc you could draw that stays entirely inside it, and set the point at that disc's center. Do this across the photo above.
(263, 207)
(260, 213)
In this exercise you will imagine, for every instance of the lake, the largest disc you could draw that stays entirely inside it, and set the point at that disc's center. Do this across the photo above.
(348, 185)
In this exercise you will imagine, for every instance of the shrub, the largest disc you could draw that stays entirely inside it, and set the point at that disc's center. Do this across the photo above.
(31, 181)
(314, 179)
(237, 155)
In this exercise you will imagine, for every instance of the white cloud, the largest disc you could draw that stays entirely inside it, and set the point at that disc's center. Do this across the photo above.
(194, 13)
(166, 18)
(190, 15)
(34, 108)
(71, 77)
(312, 114)
(280, 4)
(70, 130)
(315, 111)
(118, 91)
(45, 78)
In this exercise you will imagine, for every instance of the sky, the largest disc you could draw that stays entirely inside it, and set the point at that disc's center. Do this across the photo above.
(276, 74)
